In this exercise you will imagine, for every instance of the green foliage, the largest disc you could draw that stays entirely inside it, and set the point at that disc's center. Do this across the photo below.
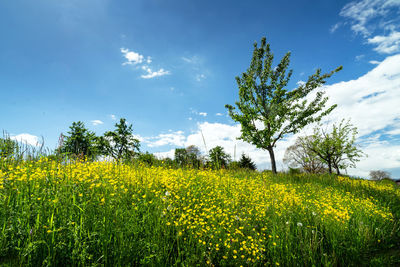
(336, 149)
(188, 157)
(218, 158)
(300, 156)
(266, 110)
(245, 162)
(120, 143)
(80, 142)
(8, 147)
(147, 158)
(64, 214)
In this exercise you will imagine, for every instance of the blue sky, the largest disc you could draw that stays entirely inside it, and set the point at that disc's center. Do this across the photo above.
(169, 68)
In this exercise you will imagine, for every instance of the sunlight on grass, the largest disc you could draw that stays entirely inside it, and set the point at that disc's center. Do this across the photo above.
(93, 213)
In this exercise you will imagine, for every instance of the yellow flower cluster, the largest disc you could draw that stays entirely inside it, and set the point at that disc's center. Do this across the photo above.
(222, 213)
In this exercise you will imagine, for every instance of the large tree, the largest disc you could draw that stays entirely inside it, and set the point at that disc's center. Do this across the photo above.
(337, 149)
(267, 110)
(120, 143)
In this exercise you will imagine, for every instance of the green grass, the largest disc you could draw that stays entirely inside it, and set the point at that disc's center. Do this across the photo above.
(105, 214)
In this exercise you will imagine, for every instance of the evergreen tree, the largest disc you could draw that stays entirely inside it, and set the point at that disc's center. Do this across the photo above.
(245, 162)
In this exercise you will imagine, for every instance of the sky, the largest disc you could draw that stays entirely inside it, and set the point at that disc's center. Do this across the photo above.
(169, 68)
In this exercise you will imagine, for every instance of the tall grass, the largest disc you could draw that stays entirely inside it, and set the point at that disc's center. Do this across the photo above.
(103, 213)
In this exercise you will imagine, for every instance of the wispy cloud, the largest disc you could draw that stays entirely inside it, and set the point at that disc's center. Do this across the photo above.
(151, 74)
(204, 114)
(218, 114)
(377, 21)
(134, 58)
(113, 117)
(335, 27)
(96, 122)
(374, 62)
(359, 57)
(386, 44)
(200, 77)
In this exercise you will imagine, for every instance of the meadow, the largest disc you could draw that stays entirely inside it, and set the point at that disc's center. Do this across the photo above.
(107, 214)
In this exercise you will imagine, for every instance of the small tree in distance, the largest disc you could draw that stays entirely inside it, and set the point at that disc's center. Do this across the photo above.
(299, 155)
(218, 157)
(80, 142)
(267, 110)
(120, 143)
(379, 175)
(337, 149)
(245, 162)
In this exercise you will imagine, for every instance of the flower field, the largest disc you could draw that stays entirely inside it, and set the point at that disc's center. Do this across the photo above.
(102, 213)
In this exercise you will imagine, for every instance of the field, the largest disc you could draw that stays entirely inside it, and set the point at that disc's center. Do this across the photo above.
(107, 214)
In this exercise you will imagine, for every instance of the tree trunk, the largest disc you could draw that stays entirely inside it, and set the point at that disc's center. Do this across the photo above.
(329, 165)
(272, 156)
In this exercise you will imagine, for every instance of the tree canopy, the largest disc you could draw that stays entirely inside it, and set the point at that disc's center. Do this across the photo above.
(120, 143)
(267, 110)
(218, 157)
(337, 149)
(299, 155)
(80, 141)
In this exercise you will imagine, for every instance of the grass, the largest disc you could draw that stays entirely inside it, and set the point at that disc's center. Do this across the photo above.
(102, 213)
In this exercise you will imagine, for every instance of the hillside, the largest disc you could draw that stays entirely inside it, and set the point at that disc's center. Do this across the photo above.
(102, 213)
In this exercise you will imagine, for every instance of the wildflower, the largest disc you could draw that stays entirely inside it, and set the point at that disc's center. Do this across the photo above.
(299, 224)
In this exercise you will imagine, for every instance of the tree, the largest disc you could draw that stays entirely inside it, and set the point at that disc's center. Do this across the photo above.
(245, 162)
(181, 157)
(189, 156)
(218, 157)
(193, 156)
(299, 155)
(336, 149)
(120, 143)
(8, 147)
(379, 175)
(267, 111)
(80, 142)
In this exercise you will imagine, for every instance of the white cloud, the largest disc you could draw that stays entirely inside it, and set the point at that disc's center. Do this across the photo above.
(363, 14)
(372, 103)
(152, 74)
(174, 139)
(335, 27)
(374, 18)
(113, 117)
(359, 57)
(131, 57)
(204, 114)
(191, 60)
(386, 44)
(374, 62)
(200, 77)
(96, 122)
(300, 83)
(134, 58)
(26, 138)
(219, 114)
